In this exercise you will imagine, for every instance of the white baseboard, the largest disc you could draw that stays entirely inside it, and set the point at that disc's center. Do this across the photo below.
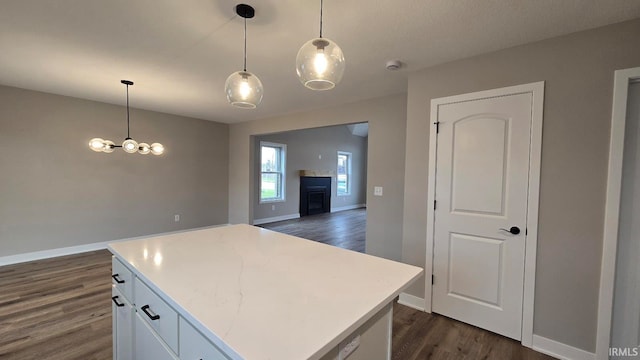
(275, 218)
(411, 301)
(45, 254)
(560, 350)
(70, 250)
(348, 207)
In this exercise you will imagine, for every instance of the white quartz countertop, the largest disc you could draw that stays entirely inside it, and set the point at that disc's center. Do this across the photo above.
(258, 294)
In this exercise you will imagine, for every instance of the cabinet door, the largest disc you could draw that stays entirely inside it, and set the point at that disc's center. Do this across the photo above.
(122, 315)
(147, 344)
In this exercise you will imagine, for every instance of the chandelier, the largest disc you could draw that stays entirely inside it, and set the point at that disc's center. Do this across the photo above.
(128, 145)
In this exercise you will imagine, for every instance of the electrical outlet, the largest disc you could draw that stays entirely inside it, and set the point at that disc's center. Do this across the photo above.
(176, 217)
(273, 207)
(349, 348)
(377, 190)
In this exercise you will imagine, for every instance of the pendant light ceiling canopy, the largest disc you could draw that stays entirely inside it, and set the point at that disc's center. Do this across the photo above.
(243, 88)
(128, 145)
(320, 63)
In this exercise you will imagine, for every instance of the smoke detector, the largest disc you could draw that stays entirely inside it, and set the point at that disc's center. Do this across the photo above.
(394, 65)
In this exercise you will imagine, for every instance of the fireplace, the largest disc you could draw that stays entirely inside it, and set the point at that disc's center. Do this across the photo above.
(315, 195)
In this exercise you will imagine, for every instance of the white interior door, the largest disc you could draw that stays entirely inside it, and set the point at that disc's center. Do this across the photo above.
(481, 187)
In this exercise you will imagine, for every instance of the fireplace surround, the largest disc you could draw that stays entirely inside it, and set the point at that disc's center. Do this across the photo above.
(315, 195)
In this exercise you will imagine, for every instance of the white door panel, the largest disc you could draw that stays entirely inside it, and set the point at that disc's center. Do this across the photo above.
(482, 169)
(476, 157)
(485, 257)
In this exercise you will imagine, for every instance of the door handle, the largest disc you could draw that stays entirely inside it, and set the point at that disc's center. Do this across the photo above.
(514, 230)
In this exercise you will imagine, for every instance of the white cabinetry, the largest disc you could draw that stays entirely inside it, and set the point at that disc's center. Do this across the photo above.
(195, 346)
(157, 314)
(123, 314)
(145, 327)
(122, 278)
(148, 345)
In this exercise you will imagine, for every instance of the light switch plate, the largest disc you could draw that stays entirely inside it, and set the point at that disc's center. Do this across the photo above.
(377, 190)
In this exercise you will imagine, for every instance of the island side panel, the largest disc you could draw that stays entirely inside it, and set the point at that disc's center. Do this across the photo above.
(375, 338)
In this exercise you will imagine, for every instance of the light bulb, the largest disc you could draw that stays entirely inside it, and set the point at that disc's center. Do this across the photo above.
(96, 144)
(320, 64)
(157, 149)
(129, 145)
(109, 146)
(143, 148)
(243, 90)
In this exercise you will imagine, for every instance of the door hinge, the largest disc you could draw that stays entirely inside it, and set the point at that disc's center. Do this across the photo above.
(437, 124)
(433, 279)
(434, 204)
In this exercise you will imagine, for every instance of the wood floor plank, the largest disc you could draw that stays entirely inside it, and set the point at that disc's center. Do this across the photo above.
(57, 308)
(344, 229)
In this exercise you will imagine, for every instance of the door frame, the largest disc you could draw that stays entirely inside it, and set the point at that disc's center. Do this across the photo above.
(622, 79)
(535, 151)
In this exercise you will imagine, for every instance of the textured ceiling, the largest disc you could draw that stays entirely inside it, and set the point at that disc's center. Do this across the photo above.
(179, 53)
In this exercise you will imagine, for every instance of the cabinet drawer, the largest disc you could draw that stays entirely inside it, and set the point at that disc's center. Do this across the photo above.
(157, 313)
(122, 278)
(194, 345)
(148, 345)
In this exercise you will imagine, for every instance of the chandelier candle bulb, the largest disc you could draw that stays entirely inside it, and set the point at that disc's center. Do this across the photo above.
(96, 144)
(157, 149)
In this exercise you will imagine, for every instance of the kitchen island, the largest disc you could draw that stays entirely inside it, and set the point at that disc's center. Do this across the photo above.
(242, 292)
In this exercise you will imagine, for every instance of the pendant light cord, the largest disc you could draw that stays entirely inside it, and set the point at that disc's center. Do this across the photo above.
(245, 44)
(128, 135)
(321, 18)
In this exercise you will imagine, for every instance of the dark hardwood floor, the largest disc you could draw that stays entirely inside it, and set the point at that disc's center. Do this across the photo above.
(57, 308)
(419, 335)
(345, 229)
(60, 309)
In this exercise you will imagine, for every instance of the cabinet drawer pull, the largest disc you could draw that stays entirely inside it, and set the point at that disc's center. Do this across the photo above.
(151, 316)
(115, 277)
(115, 301)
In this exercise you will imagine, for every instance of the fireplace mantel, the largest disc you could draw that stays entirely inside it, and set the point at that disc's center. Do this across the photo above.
(317, 173)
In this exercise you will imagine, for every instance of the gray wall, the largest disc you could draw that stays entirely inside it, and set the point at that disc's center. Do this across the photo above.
(313, 149)
(578, 70)
(55, 192)
(385, 163)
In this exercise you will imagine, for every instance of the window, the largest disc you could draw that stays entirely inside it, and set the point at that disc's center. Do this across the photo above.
(344, 173)
(272, 171)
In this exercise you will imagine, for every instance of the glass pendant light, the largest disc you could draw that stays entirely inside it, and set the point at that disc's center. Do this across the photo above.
(244, 89)
(320, 63)
(128, 145)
